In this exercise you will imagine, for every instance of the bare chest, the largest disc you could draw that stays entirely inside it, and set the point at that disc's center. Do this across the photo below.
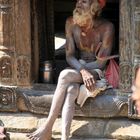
(89, 41)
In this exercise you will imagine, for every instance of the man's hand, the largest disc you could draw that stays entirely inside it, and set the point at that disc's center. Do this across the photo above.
(88, 79)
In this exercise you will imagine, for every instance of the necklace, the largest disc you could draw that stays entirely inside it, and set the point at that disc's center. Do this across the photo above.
(83, 33)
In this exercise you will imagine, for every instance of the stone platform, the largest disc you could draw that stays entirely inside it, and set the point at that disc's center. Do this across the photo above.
(105, 117)
(19, 124)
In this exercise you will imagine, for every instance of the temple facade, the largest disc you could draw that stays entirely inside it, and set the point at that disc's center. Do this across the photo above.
(27, 46)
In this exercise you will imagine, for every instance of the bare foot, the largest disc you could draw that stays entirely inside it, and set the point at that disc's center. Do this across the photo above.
(42, 133)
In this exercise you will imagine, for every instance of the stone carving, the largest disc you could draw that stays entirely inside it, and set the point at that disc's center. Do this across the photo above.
(7, 42)
(126, 76)
(38, 101)
(136, 31)
(6, 70)
(23, 70)
(7, 99)
(7, 18)
(108, 104)
(125, 47)
(14, 42)
(134, 37)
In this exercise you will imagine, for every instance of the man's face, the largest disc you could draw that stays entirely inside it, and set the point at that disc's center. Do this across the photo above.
(82, 6)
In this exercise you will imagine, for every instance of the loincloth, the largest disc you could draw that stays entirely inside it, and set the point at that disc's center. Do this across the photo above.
(100, 85)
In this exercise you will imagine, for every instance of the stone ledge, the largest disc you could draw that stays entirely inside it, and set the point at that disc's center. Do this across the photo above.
(21, 136)
(85, 128)
(108, 104)
(38, 99)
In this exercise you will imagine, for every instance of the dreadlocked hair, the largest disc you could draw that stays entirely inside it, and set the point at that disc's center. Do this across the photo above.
(95, 8)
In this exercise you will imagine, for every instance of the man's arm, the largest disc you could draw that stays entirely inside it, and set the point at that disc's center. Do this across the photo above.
(70, 47)
(105, 49)
(87, 77)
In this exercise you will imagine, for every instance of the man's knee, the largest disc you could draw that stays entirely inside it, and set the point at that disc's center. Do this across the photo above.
(66, 75)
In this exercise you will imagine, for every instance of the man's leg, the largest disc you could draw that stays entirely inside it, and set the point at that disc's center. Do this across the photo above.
(66, 77)
(68, 109)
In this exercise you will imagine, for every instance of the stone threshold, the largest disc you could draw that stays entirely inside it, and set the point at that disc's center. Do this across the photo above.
(38, 98)
(21, 136)
(82, 128)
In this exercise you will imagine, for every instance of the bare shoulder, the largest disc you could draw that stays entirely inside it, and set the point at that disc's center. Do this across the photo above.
(69, 25)
(69, 21)
(107, 25)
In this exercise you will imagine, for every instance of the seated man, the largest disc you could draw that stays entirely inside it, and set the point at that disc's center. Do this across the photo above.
(84, 32)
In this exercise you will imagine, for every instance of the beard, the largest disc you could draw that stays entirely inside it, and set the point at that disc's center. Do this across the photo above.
(82, 18)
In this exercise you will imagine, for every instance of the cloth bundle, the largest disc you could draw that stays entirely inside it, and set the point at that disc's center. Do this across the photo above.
(100, 85)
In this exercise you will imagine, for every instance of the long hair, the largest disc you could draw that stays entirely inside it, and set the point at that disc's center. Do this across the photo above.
(87, 17)
(95, 8)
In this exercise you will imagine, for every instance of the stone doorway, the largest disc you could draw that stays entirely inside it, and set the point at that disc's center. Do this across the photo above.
(125, 17)
(51, 17)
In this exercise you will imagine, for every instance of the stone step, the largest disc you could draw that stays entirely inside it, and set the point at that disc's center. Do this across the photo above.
(82, 128)
(22, 136)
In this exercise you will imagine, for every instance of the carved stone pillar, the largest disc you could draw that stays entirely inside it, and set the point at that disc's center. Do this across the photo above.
(129, 42)
(125, 46)
(15, 46)
(129, 48)
(135, 35)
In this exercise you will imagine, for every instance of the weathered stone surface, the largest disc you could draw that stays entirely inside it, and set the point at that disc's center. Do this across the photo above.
(15, 43)
(20, 122)
(123, 129)
(90, 127)
(38, 100)
(21, 136)
(8, 98)
(82, 128)
(108, 104)
(18, 136)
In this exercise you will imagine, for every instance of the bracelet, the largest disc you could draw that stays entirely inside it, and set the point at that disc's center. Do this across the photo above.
(134, 88)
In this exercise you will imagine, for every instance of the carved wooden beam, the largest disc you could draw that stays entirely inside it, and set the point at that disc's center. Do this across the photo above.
(15, 45)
